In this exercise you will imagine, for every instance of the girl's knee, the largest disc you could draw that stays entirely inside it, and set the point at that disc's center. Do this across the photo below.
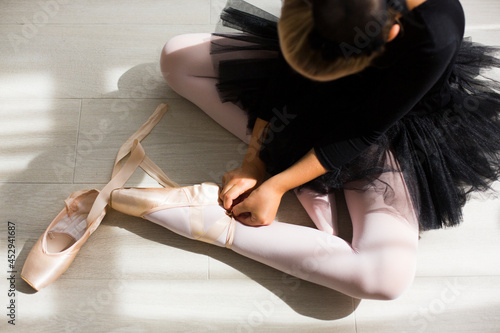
(168, 58)
(186, 55)
(390, 290)
(389, 278)
(173, 58)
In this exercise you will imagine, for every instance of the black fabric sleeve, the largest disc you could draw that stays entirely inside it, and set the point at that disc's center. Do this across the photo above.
(395, 94)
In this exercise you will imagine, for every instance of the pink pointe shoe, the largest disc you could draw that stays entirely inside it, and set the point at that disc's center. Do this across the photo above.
(145, 202)
(56, 249)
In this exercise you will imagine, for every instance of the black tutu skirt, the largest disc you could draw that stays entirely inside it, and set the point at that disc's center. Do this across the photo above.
(445, 153)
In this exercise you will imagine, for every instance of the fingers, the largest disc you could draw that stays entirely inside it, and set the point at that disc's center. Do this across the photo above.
(242, 214)
(235, 191)
(240, 210)
(228, 195)
(246, 219)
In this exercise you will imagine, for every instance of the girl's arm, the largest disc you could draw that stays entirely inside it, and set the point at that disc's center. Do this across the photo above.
(305, 170)
(261, 206)
(239, 182)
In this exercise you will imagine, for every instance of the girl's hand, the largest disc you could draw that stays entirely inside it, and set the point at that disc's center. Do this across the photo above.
(239, 183)
(260, 207)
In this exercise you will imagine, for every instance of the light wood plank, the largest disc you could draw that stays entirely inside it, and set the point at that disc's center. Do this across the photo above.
(128, 12)
(481, 14)
(468, 249)
(38, 140)
(447, 304)
(189, 146)
(86, 61)
(182, 306)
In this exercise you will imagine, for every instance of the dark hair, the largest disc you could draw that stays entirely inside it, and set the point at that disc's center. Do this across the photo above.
(327, 39)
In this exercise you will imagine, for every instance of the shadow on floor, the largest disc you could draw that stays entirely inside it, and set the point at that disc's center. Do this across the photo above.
(298, 294)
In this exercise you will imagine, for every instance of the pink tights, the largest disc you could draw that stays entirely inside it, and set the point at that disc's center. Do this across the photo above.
(380, 261)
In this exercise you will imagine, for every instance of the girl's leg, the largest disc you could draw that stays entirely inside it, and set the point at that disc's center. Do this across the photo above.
(321, 208)
(378, 264)
(187, 67)
(385, 232)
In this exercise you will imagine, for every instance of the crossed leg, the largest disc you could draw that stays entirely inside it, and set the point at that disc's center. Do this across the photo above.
(187, 67)
(379, 263)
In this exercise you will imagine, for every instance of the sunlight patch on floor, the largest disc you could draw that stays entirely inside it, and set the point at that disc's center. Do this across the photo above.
(32, 85)
(111, 78)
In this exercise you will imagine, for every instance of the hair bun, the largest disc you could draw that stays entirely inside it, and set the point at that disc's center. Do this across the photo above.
(347, 28)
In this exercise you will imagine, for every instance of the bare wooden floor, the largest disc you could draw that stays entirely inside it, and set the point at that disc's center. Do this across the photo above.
(77, 78)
